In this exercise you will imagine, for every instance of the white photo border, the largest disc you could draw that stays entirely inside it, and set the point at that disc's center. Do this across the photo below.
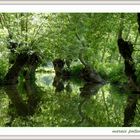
(67, 132)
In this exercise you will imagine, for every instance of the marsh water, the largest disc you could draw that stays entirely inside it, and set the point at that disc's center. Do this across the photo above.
(52, 102)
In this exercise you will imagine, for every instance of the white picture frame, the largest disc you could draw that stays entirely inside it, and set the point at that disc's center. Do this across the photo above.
(72, 7)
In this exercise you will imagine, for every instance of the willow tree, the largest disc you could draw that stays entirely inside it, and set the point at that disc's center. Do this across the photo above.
(88, 38)
(23, 32)
(84, 37)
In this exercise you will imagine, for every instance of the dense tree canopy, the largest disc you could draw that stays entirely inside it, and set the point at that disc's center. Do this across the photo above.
(93, 48)
(91, 36)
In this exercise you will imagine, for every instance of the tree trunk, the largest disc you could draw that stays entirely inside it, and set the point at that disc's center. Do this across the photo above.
(30, 72)
(58, 66)
(126, 50)
(88, 73)
(138, 20)
(31, 65)
(12, 75)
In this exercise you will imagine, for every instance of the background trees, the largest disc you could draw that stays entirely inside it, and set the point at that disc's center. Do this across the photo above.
(81, 38)
(81, 41)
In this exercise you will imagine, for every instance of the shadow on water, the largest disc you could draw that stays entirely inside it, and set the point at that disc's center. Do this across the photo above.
(19, 106)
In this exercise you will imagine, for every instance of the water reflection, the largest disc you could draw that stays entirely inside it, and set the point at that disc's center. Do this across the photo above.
(61, 84)
(88, 104)
(16, 100)
(90, 89)
(19, 106)
(58, 83)
(130, 109)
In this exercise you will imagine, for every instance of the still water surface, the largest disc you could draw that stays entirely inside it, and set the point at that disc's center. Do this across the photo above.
(52, 102)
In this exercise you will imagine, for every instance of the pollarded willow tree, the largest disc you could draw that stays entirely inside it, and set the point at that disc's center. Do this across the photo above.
(92, 38)
(28, 39)
(126, 49)
(23, 30)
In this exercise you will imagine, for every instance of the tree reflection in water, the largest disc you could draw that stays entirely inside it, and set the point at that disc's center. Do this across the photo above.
(88, 104)
(130, 109)
(90, 89)
(58, 83)
(61, 84)
(18, 106)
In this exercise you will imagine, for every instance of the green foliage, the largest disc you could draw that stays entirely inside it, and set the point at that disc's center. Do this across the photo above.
(4, 102)
(84, 38)
(4, 64)
(112, 72)
(76, 74)
(66, 35)
(104, 109)
(76, 69)
(138, 72)
(116, 74)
